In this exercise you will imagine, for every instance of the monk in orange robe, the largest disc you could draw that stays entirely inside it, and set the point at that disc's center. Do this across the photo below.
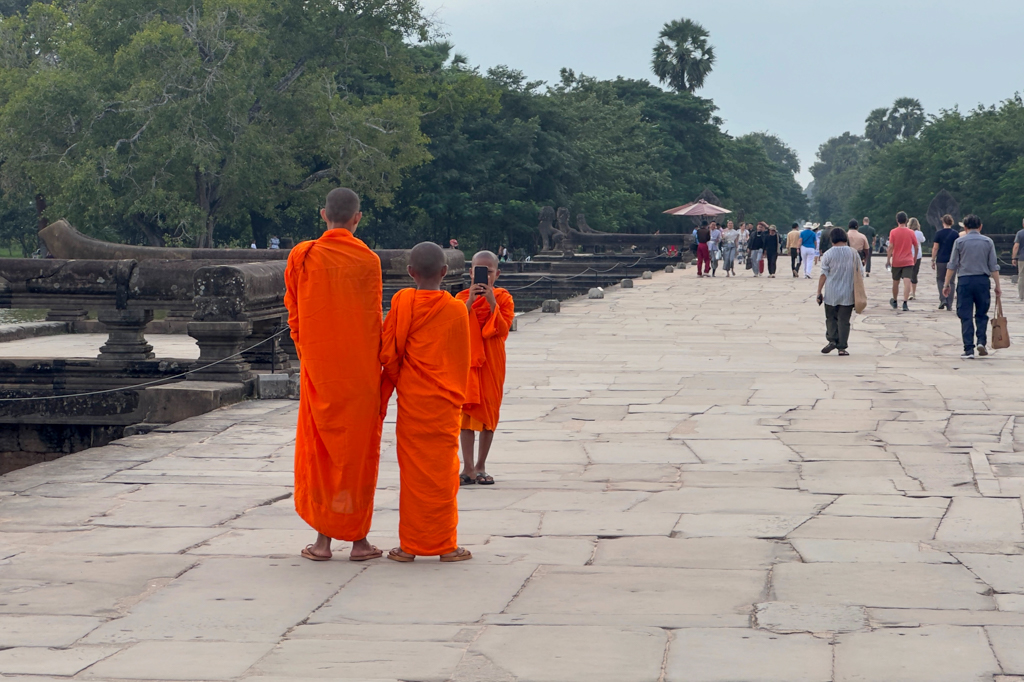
(334, 311)
(425, 353)
(491, 311)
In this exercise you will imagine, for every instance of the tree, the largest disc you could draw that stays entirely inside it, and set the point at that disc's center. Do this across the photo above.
(902, 121)
(682, 56)
(185, 116)
(778, 151)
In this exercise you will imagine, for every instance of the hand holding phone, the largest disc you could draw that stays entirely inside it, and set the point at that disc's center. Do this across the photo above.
(821, 299)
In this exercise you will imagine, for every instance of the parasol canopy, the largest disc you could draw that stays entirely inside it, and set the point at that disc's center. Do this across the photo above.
(698, 208)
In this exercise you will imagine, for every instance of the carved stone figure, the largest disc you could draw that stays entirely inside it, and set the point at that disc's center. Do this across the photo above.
(551, 239)
(581, 225)
(942, 204)
(563, 221)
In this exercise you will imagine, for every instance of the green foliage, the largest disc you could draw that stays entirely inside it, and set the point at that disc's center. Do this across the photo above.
(682, 56)
(902, 121)
(217, 122)
(978, 157)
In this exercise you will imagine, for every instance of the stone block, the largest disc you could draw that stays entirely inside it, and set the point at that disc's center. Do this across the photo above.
(515, 324)
(728, 654)
(277, 386)
(627, 284)
(783, 617)
(927, 654)
(596, 292)
(551, 306)
(669, 269)
(647, 275)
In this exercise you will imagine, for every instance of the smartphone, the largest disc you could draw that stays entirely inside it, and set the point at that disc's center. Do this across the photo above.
(480, 274)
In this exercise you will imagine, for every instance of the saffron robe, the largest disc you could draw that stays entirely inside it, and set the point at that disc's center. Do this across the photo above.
(425, 352)
(334, 303)
(488, 331)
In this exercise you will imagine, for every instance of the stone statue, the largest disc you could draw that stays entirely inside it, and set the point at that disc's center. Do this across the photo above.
(581, 225)
(942, 204)
(551, 239)
(563, 221)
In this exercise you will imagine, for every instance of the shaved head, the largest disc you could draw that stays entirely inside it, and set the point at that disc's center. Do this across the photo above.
(427, 260)
(342, 205)
(485, 258)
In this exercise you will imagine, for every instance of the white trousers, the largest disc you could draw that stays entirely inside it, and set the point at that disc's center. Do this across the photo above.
(808, 255)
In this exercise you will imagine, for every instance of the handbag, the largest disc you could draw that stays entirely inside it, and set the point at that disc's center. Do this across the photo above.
(1000, 334)
(860, 294)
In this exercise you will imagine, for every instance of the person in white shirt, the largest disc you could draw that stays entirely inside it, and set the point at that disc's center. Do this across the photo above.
(915, 225)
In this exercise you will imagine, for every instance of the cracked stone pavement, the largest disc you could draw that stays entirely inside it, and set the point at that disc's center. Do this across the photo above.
(688, 491)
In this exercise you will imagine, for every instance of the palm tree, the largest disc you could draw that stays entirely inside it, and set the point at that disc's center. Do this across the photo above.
(879, 127)
(682, 57)
(906, 117)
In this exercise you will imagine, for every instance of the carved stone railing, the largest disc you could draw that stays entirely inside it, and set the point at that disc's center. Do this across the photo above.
(232, 306)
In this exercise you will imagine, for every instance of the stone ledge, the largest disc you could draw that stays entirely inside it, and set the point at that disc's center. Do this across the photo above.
(31, 330)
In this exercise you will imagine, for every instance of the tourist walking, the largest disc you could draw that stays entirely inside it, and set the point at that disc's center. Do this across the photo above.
(825, 238)
(870, 235)
(771, 249)
(793, 246)
(714, 245)
(858, 242)
(730, 237)
(1017, 242)
(836, 290)
(808, 248)
(756, 246)
(703, 236)
(915, 225)
(900, 258)
(942, 249)
(741, 244)
(974, 262)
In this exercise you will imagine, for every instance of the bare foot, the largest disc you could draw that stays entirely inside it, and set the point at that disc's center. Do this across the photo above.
(362, 550)
(460, 554)
(319, 550)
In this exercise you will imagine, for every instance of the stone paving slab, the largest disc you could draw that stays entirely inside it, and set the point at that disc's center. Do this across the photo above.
(686, 490)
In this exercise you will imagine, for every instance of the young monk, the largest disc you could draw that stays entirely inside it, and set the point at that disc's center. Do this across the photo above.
(425, 353)
(334, 311)
(491, 311)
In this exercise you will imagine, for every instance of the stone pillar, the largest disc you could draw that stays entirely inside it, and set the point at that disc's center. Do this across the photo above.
(126, 341)
(218, 341)
(269, 355)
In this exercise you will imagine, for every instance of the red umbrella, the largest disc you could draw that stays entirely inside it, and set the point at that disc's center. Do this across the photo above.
(698, 208)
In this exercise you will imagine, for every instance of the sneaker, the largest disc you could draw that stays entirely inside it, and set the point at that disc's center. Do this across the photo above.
(906, 308)
(941, 306)
(982, 351)
(892, 302)
(967, 355)
(829, 348)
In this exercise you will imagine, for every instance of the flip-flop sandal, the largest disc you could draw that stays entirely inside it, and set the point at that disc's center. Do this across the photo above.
(397, 555)
(484, 479)
(307, 554)
(461, 554)
(466, 480)
(843, 352)
(376, 554)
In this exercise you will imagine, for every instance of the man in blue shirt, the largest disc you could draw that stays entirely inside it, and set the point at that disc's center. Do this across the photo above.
(942, 249)
(808, 248)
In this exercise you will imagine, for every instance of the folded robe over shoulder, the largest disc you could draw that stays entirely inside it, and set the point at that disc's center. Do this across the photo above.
(334, 305)
(488, 331)
(425, 352)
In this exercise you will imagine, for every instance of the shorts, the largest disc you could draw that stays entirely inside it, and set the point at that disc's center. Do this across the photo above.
(905, 272)
(917, 269)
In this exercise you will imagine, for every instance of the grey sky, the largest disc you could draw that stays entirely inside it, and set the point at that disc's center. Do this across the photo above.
(803, 69)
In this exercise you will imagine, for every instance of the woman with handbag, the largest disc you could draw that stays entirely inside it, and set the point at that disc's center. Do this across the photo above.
(841, 268)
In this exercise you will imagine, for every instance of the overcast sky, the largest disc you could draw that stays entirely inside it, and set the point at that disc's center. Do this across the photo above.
(805, 70)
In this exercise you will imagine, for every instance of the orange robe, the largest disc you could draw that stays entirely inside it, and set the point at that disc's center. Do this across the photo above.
(425, 353)
(334, 304)
(488, 330)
